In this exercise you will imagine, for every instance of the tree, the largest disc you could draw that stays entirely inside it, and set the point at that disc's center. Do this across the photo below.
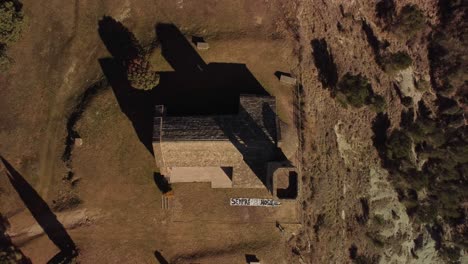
(394, 62)
(378, 103)
(140, 75)
(354, 90)
(410, 20)
(399, 146)
(11, 21)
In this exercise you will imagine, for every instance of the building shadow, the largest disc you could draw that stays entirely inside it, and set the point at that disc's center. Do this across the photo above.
(278, 74)
(7, 248)
(43, 215)
(251, 258)
(253, 140)
(193, 88)
(161, 182)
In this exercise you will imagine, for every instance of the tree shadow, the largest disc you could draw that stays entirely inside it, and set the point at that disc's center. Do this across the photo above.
(7, 248)
(136, 104)
(377, 46)
(119, 41)
(159, 257)
(43, 215)
(323, 59)
(380, 126)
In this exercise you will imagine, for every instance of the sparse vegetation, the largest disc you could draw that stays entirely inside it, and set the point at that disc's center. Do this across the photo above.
(449, 63)
(410, 20)
(355, 90)
(363, 259)
(66, 203)
(394, 62)
(428, 155)
(423, 85)
(11, 24)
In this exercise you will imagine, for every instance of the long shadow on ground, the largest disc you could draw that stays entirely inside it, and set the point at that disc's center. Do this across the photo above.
(43, 215)
(193, 88)
(323, 59)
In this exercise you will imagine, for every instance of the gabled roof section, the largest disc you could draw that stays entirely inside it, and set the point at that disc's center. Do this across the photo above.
(255, 120)
(193, 128)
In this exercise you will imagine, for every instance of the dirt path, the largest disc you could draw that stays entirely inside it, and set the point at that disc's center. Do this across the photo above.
(48, 154)
(53, 142)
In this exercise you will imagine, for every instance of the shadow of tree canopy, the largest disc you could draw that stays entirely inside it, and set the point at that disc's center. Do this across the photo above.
(323, 59)
(43, 215)
(119, 41)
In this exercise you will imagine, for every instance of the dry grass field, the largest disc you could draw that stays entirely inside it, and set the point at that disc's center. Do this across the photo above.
(119, 217)
(67, 82)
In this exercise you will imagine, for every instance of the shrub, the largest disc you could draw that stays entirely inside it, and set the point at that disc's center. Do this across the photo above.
(377, 103)
(354, 89)
(140, 75)
(407, 101)
(363, 259)
(394, 62)
(376, 239)
(409, 21)
(420, 129)
(11, 21)
(450, 254)
(399, 146)
(423, 85)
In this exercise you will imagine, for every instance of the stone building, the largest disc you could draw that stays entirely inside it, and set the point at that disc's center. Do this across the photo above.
(230, 151)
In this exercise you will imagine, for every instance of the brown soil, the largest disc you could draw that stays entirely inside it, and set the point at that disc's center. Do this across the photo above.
(57, 61)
